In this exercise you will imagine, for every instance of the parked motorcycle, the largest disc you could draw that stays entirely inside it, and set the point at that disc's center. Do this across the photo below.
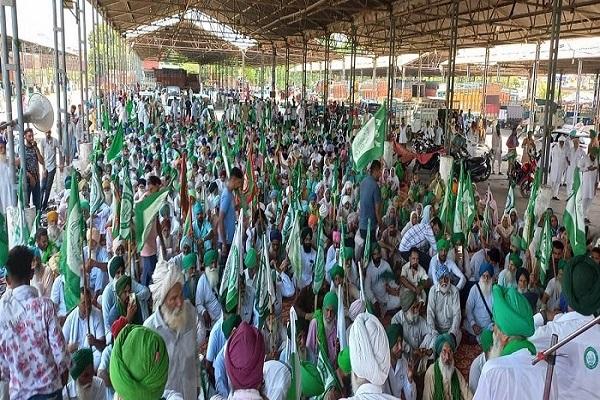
(522, 175)
(477, 158)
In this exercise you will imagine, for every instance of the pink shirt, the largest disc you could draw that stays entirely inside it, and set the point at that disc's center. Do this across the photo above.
(311, 341)
(150, 248)
(32, 347)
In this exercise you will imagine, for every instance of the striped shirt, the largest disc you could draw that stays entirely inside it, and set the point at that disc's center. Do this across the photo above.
(416, 236)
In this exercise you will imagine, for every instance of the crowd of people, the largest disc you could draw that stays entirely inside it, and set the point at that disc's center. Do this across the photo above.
(271, 268)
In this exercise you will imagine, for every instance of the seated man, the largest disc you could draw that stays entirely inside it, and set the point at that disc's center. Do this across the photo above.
(442, 376)
(480, 303)
(443, 307)
(417, 335)
(441, 260)
(84, 384)
(414, 277)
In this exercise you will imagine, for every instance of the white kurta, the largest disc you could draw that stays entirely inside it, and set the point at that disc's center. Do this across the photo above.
(588, 178)
(75, 330)
(558, 164)
(368, 391)
(181, 346)
(6, 194)
(443, 312)
(97, 390)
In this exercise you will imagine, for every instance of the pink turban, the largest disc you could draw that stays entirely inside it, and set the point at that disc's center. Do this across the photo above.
(357, 307)
(245, 357)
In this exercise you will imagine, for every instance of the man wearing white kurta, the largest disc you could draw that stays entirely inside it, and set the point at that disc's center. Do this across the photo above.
(558, 164)
(376, 284)
(174, 319)
(574, 155)
(443, 307)
(589, 180)
(480, 302)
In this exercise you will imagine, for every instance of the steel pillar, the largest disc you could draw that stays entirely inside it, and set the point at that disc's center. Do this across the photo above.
(273, 65)
(326, 70)
(83, 80)
(451, 68)
(533, 87)
(579, 77)
(352, 67)
(59, 77)
(549, 108)
(374, 78)
(96, 56)
(596, 103)
(262, 75)
(10, 146)
(304, 59)
(485, 80)
(391, 69)
(403, 82)
(287, 73)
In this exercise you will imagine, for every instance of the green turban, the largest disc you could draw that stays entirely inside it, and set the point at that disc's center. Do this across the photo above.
(122, 283)
(251, 259)
(458, 238)
(443, 244)
(592, 133)
(562, 264)
(486, 339)
(210, 257)
(517, 242)
(80, 360)
(375, 247)
(336, 271)
(330, 301)
(229, 324)
(512, 312)
(188, 261)
(139, 364)
(441, 340)
(428, 199)
(516, 260)
(581, 285)
(84, 204)
(348, 253)
(407, 299)
(114, 264)
(312, 383)
(343, 360)
(394, 332)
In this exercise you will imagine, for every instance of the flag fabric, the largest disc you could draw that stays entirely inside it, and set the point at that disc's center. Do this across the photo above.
(469, 207)
(545, 250)
(71, 251)
(573, 217)
(116, 147)
(465, 210)
(447, 209)
(487, 215)
(368, 142)
(233, 267)
(3, 240)
(106, 122)
(458, 222)
(116, 207)
(224, 152)
(34, 228)
(265, 289)
(341, 319)
(293, 247)
(330, 380)
(21, 232)
(129, 110)
(529, 222)
(295, 359)
(367, 249)
(126, 207)
(319, 268)
(184, 198)
(145, 212)
(510, 199)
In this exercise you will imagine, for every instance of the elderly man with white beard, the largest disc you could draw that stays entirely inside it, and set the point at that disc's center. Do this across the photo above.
(417, 334)
(84, 386)
(480, 302)
(400, 382)
(330, 306)
(442, 379)
(369, 358)
(174, 319)
(443, 307)
(207, 300)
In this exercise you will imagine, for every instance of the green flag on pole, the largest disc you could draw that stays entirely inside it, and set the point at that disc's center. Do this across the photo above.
(293, 247)
(34, 228)
(529, 222)
(368, 142)
(319, 269)
(71, 252)
(116, 147)
(126, 208)
(573, 217)
(233, 267)
(458, 225)
(544, 253)
(3, 240)
(330, 380)
(145, 212)
(367, 249)
(265, 289)
(447, 209)
(96, 193)
(510, 199)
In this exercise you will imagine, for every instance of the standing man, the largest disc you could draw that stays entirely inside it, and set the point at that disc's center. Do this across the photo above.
(558, 164)
(150, 250)
(29, 330)
(50, 147)
(370, 201)
(227, 218)
(33, 157)
(497, 148)
(589, 180)
(574, 155)
(7, 197)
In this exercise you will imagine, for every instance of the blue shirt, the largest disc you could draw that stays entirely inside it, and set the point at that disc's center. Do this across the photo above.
(216, 340)
(221, 380)
(227, 207)
(370, 195)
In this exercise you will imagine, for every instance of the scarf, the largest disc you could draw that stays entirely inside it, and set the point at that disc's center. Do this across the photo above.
(438, 388)
(516, 345)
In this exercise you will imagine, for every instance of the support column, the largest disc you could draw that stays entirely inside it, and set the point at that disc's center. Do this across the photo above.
(550, 108)
(451, 69)
(96, 57)
(304, 59)
(391, 69)
(485, 79)
(533, 87)
(82, 47)
(273, 65)
(374, 78)
(576, 113)
(287, 73)
(596, 103)
(10, 146)
(403, 82)
(326, 71)
(352, 67)
(262, 75)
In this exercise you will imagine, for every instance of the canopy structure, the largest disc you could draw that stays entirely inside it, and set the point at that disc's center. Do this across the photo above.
(210, 30)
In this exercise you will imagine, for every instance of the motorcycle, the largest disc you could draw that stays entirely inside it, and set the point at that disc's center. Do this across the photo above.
(522, 175)
(477, 159)
(428, 154)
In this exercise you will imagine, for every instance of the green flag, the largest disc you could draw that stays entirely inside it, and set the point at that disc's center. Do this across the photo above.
(265, 289)
(330, 380)
(487, 215)
(367, 249)
(469, 207)
(116, 147)
(21, 232)
(293, 247)
(145, 212)
(458, 225)
(529, 222)
(510, 199)
(96, 193)
(573, 217)
(71, 251)
(233, 267)
(3, 240)
(447, 209)
(106, 122)
(126, 206)
(368, 142)
(319, 268)
(296, 388)
(544, 253)
(34, 228)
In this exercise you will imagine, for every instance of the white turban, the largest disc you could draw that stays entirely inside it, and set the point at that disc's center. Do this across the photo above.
(369, 349)
(345, 199)
(357, 307)
(165, 276)
(347, 185)
(278, 379)
(323, 210)
(116, 244)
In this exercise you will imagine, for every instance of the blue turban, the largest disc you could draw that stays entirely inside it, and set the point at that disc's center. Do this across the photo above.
(442, 271)
(486, 267)
(275, 235)
(186, 240)
(197, 208)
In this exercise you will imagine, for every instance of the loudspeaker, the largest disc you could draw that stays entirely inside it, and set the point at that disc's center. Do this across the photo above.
(39, 112)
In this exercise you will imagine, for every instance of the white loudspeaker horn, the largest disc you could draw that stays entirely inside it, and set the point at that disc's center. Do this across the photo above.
(39, 112)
